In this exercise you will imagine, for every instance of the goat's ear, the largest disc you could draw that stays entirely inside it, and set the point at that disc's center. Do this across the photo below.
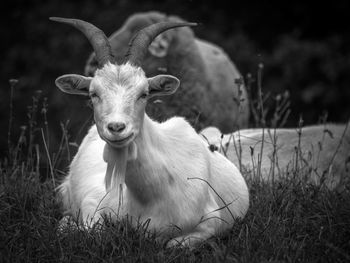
(162, 85)
(74, 84)
(159, 46)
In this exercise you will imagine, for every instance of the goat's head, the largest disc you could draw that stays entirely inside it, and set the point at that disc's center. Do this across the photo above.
(119, 93)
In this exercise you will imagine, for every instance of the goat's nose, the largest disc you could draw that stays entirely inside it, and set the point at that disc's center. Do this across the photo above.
(116, 126)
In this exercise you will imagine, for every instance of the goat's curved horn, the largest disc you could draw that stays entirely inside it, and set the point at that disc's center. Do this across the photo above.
(139, 43)
(96, 37)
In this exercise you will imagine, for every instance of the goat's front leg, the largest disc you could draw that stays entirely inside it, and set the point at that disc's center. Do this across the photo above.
(91, 213)
(190, 240)
(89, 216)
(208, 226)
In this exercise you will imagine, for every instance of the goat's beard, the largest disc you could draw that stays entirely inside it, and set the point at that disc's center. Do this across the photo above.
(116, 159)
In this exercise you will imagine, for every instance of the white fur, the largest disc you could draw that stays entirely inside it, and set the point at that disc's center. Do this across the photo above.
(169, 177)
(324, 155)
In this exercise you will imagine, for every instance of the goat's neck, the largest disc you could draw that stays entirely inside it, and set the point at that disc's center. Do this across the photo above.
(149, 137)
(143, 178)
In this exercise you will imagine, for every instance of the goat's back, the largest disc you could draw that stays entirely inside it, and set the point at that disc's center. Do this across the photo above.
(321, 152)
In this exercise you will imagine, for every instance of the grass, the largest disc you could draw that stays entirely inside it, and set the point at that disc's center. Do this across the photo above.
(288, 221)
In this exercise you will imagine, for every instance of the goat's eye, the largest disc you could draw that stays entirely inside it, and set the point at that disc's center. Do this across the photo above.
(143, 95)
(94, 96)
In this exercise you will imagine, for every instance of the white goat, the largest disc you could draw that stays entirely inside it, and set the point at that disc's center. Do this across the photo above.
(158, 171)
(321, 152)
(208, 91)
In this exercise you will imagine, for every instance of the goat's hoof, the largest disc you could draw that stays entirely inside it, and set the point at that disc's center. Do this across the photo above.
(66, 223)
(181, 242)
(188, 241)
(175, 243)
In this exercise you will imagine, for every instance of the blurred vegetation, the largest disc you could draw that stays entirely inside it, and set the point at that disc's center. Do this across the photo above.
(303, 45)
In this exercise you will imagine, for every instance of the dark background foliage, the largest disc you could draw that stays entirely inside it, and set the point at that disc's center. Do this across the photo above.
(304, 46)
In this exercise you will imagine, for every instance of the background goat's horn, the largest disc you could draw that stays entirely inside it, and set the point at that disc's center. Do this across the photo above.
(138, 45)
(97, 39)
